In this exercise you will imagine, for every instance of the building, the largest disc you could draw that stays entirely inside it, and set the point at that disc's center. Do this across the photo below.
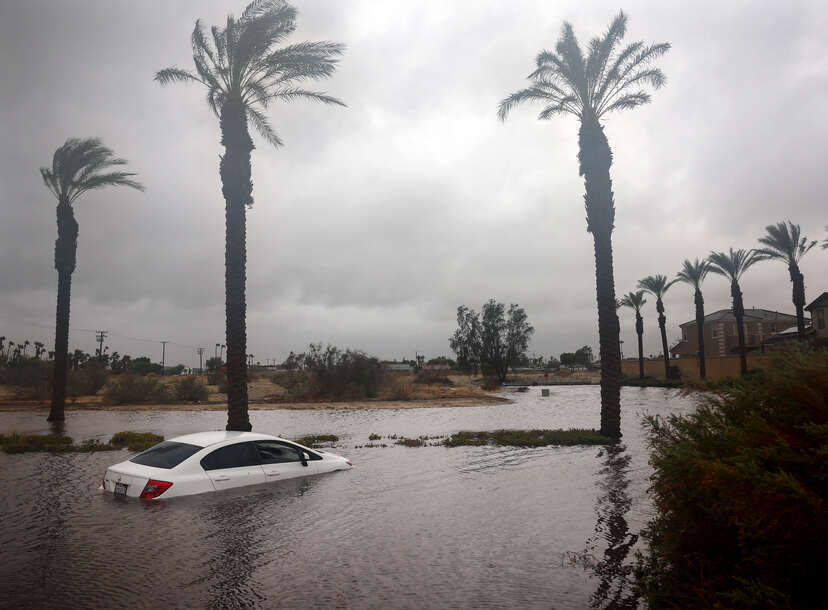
(721, 338)
(816, 333)
(817, 309)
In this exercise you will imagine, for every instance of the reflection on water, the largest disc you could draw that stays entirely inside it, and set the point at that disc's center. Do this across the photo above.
(615, 569)
(427, 527)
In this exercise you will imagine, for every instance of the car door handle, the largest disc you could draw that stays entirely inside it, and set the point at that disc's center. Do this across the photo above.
(272, 474)
(221, 477)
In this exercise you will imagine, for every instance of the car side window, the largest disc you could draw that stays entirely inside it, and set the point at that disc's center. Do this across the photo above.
(274, 452)
(231, 456)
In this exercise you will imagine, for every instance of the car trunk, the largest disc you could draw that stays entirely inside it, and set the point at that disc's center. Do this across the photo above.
(134, 476)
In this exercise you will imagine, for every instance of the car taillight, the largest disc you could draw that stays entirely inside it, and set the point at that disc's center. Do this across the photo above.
(103, 483)
(154, 488)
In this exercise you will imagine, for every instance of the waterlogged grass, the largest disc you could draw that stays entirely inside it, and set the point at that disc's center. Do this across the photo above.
(317, 440)
(58, 443)
(528, 438)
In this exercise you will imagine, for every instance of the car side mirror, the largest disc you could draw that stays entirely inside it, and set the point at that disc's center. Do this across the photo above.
(305, 458)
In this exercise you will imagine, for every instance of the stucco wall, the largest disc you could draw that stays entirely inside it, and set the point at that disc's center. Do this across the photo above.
(716, 367)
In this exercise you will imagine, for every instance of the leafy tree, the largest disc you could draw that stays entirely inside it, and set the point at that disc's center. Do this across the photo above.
(657, 285)
(214, 364)
(144, 366)
(694, 274)
(590, 87)
(494, 339)
(78, 166)
(733, 265)
(442, 360)
(244, 73)
(783, 242)
(636, 301)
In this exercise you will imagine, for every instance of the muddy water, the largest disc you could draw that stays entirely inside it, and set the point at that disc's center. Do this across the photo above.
(472, 527)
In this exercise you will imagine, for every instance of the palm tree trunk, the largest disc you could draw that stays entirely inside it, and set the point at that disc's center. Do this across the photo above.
(639, 330)
(662, 326)
(237, 189)
(65, 255)
(798, 299)
(700, 331)
(595, 158)
(739, 314)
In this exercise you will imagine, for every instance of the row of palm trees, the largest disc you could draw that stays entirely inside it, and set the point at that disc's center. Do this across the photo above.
(782, 242)
(244, 73)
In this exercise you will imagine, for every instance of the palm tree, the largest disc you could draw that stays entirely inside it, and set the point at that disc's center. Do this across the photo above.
(733, 265)
(79, 166)
(825, 242)
(591, 87)
(657, 285)
(783, 242)
(694, 274)
(244, 73)
(636, 300)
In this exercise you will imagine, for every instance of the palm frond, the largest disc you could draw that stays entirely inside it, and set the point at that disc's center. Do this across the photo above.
(732, 264)
(656, 285)
(693, 273)
(784, 242)
(290, 95)
(600, 51)
(534, 94)
(111, 179)
(261, 124)
(635, 300)
(176, 75)
(626, 102)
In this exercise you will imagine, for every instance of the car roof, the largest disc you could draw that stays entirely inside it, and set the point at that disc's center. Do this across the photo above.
(205, 439)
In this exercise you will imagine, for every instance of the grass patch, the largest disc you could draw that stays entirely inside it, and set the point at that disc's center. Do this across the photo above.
(528, 438)
(410, 442)
(374, 437)
(58, 443)
(315, 441)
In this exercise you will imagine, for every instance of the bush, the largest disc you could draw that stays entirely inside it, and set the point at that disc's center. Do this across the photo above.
(490, 384)
(131, 389)
(332, 373)
(528, 438)
(317, 440)
(740, 494)
(87, 381)
(674, 372)
(29, 373)
(432, 377)
(191, 389)
(25, 443)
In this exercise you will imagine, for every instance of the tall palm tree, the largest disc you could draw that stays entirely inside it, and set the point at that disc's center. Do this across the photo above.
(244, 73)
(733, 265)
(783, 242)
(657, 285)
(79, 166)
(607, 79)
(636, 300)
(694, 274)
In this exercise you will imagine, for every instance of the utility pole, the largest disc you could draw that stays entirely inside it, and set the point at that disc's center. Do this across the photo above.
(200, 351)
(100, 335)
(215, 353)
(163, 354)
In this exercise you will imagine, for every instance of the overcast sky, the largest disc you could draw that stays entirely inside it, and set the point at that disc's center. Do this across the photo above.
(376, 221)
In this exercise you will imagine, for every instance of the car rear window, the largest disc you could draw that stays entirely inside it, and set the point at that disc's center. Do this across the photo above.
(168, 454)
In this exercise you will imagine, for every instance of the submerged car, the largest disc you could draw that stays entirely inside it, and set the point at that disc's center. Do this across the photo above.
(212, 461)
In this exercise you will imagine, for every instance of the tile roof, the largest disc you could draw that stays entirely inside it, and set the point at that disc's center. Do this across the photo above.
(751, 315)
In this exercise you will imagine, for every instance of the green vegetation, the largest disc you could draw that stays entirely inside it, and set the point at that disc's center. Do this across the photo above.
(133, 389)
(528, 438)
(58, 443)
(135, 441)
(191, 389)
(317, 440)
(331, 373)
(374, 437)
(741, 496)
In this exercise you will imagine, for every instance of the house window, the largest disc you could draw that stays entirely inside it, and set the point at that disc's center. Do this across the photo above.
(715, 333)
(820, 313)
(773, 328)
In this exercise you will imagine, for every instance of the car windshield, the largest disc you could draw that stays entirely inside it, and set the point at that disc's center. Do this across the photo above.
(168, 454)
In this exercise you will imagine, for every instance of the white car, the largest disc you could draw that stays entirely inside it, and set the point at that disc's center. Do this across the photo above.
(211, 461)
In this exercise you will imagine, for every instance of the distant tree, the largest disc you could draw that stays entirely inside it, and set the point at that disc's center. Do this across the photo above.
(440, 360)
(693, 274)
(39, 349)
(214, 364)
(591, 86)
(495, 339)
(657, 285)
(636, 301)
(244, 73)
(144, 366)
(784, 243)
(733, 265)
(78, 166)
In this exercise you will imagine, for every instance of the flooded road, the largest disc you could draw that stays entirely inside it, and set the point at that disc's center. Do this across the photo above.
(470, 527)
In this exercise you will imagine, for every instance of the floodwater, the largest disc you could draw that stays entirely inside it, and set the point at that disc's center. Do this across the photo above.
(466, 527)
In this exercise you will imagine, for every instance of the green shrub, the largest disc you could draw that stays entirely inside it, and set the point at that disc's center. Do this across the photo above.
(87, 381)
(191, 389)
(432, 377)
(740, 494)
(32, 377)
(317, 440)
(333, 374)
(132, 389)
(25, 443)
(135, 441)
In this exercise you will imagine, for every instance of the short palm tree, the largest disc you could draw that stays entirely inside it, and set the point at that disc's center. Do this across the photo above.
(783, 242)
(733, 265)
(79, 166)
(657, 285)
(694, 274)
(607, 79)
(244, 73)
(636, 301)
